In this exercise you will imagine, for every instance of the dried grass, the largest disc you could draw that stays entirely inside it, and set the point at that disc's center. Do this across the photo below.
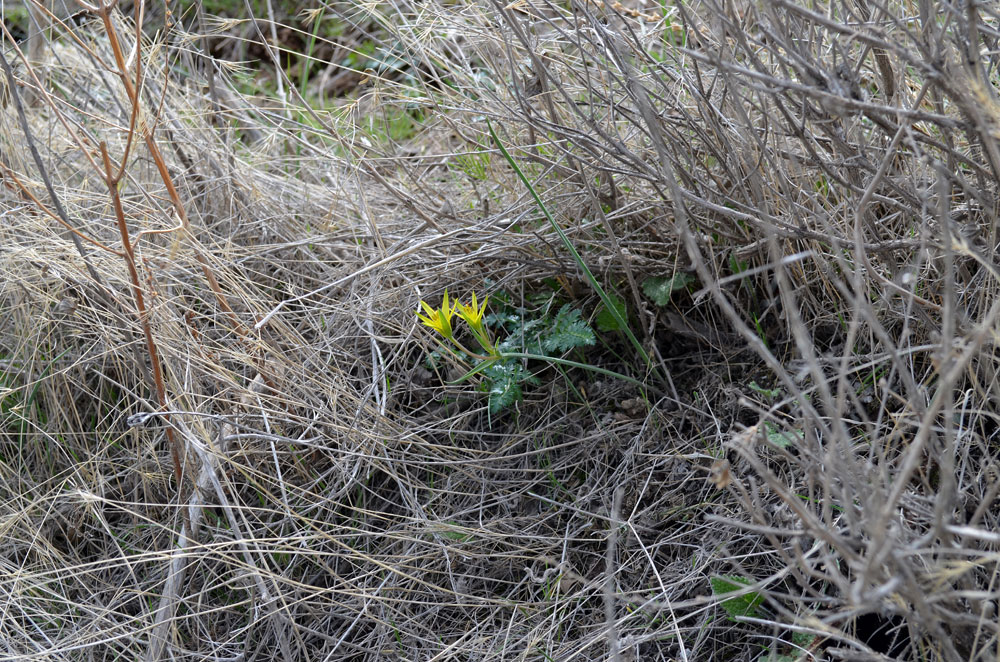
(828, 174)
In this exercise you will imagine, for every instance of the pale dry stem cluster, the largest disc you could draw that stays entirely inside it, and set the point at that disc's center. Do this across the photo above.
(827, 172)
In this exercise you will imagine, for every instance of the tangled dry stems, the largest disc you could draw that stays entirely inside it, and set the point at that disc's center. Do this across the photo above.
(829, 177)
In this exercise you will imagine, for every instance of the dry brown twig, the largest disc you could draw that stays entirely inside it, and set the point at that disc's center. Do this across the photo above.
(828, 182)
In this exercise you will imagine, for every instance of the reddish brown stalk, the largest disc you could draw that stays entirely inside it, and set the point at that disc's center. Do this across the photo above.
(132, 90)
(129, 253)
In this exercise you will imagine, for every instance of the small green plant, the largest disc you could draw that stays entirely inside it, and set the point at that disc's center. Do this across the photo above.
(772, 432)
(19, 405)
(769, 393)
(474, 164)
(802, 643)
(660, 288)
(609, 303)
(501, 366)
(782, 438)
(738, 266)
(544, 336)
(608, 321)
(740, 605)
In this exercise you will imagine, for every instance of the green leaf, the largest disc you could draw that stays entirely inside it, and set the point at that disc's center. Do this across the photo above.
(736, 265)
(782, 438)
(804, 639)
(503, 381)
(659, 288)
(772, 393)
(503, 319)
(741, 605)
(606, 320)
(503, 394)
(567, 331)
(452, 534)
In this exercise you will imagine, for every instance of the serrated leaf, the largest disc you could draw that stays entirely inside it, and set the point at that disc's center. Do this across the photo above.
(803, 639)
(528, 328)
(504, 394)
(503, 380)
(772, 393)
(524, 335)
(659, 288)
(741, 605)
(567, 331)
(503, 319)
(782, 438)
(606, 321)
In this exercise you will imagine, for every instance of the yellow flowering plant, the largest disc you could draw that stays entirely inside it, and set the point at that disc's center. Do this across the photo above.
(532, 336)
(473, 316)
(439, 319)
(503, 364)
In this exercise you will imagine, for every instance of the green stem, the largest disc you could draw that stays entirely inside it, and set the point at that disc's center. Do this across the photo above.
(609, 304)
(552, 359)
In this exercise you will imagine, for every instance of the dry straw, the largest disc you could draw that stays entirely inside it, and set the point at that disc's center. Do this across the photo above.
(237, 270)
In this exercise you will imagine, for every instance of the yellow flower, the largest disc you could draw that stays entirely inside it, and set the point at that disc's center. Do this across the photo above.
(439, 320)
(472, 313)
(473, 316)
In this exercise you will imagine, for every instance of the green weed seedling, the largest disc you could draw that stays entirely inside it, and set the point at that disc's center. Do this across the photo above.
(769, 393)
(607, 320)
(802, 642)
(660, 288)
(315, 17)
(502, 366)
(454, 531)
(773, 432)
(745, 604)
(782, 438)
(474, 164)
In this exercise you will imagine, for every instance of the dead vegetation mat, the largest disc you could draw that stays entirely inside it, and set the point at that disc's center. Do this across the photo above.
(223, 435)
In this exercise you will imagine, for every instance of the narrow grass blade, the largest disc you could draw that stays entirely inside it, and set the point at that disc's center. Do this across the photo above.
(608, 301)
